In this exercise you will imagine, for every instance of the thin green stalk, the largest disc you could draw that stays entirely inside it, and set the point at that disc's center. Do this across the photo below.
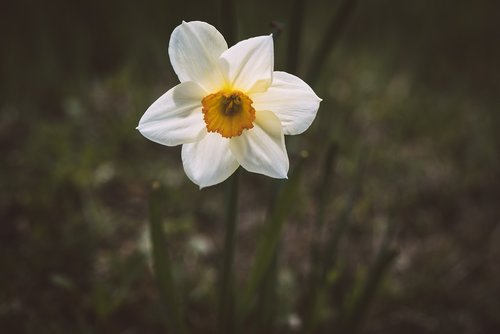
(316, 284)
(324, 265)
(330, 38)
(226, 316)
(338, 232)
(352, 317)
(169, 291)
(227, 20)
(353, 311)
(226, 283)
(343, 219)
(267, 304)
(268, 243)
(325, 190)
(295, 36)
(293, 52)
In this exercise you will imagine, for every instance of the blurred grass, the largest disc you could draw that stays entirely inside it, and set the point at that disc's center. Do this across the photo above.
(416, 83)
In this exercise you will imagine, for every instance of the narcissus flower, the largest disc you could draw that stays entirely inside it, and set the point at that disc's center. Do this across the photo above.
(231, 108)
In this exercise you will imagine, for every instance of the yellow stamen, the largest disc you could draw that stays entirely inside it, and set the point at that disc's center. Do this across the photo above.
(228, 112)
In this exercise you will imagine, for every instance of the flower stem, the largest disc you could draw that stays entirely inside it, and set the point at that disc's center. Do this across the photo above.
(226, 288)
(269, 240)
(226, 316)
(227, 21)
(163, 266)
(329, 39)
(295, 36)
(324, 263)
(351, 316)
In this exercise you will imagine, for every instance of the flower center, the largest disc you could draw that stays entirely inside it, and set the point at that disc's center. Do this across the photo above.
(228, 112)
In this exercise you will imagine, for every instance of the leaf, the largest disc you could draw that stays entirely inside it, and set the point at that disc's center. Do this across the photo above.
(268, 243)
(169, 291)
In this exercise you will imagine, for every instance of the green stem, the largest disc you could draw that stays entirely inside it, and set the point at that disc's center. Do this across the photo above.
(352, 318)
(295, 36)
(169, 290)
(226, 292)
(269, 240)
(228, 21)
(325, 190)
(329, 40)
(343, 220)
(327, 262)
(316, 279)
(267, 299)
(266, 303)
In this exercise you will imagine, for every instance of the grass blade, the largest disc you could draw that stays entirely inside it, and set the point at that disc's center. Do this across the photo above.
(362, 296)
(324, 265)
(268, 244)
(162, 264)
(295, 36)
(329, 40)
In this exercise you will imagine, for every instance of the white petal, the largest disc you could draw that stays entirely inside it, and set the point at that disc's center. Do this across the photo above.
(291, 99)
(194, 50)
(208, 161)
(176, 117)
(262, 149)
(248, 65)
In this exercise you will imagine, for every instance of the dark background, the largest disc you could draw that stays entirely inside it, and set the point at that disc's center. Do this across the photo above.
(412, 85)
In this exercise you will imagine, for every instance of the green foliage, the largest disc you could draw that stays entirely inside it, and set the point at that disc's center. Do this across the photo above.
(162, 264)
(267, 247)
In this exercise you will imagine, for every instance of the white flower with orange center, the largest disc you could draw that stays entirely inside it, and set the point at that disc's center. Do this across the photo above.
(231, 108)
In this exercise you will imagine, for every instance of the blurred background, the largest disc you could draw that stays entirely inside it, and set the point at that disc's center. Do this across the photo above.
(410, 88)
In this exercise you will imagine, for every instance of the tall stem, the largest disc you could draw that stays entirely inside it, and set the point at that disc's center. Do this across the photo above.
(226, 316)
(163, 266)
(295, 36)
(227, 21)
(329, 39)
(226, 288)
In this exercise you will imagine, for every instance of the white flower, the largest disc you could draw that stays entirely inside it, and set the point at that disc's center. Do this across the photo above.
(231, 108)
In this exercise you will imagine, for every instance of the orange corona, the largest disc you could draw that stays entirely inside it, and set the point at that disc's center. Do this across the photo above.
(228, 112)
